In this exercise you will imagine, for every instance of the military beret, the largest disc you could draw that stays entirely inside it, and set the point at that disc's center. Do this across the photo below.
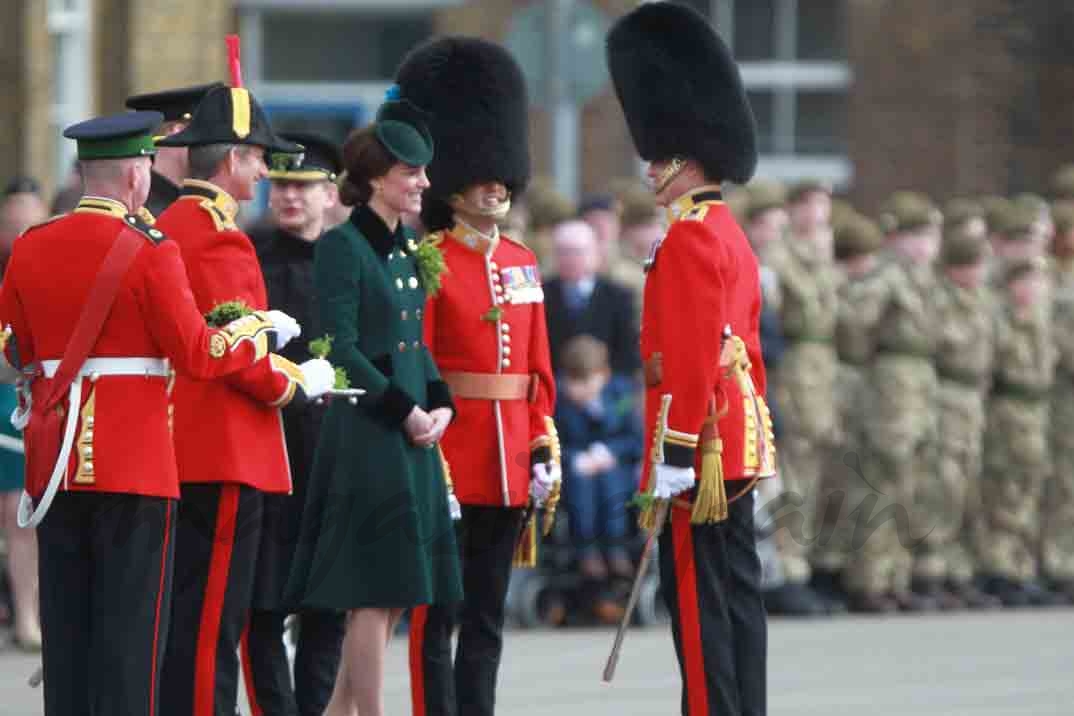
(958, 211)
(117, 136)
(842, 210)
(961, 249)
(1017, 268)
(22, 184)
(639, 206)
(546, 205)
(1064, 219)
(854, 236)
(1016, 222)
(762, 196)
(907, 211)
(597, 202)
(175, 104)
(1034, 204)
(800, 189)
(1062, 183)
(994, 208)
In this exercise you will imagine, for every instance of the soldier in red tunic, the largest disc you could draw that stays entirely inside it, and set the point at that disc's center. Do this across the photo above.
(228, 433)
(708, 426)
(108, 540)
(487, 332)
(170, 165)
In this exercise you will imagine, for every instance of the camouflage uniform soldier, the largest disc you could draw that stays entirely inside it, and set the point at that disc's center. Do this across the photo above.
(856, 240)
(804, 387)
(948, 503)
(1062, 186)
(1057, 542)
(967, 217)
(898, 447)
(1017, 462)
(1063, 250)
(1014, 236)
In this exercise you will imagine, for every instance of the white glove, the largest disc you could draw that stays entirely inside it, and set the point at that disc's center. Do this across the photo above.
(318, 377)
(670, 481)
(545, 477)
(454, 507)
(285, 326)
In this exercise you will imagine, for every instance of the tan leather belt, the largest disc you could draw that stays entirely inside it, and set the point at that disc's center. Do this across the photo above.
(491, 386)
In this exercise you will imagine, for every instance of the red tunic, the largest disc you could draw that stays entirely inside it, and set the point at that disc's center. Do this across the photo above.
(488, 445)
(704, 277)
(227, 430)
(123, 419)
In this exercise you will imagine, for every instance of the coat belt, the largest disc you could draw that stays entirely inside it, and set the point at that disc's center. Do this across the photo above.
(149, 367)
(491, 386)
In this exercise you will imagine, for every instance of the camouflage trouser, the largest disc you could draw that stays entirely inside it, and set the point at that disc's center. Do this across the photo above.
(838, 473)
(898, 451)
(946, 501)
(805, 393)
(1057, 539)
(1016, 467)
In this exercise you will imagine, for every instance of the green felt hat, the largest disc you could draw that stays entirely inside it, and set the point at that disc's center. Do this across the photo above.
(402, 127)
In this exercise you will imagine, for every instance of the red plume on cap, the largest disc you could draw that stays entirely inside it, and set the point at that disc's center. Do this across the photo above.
(233, 64)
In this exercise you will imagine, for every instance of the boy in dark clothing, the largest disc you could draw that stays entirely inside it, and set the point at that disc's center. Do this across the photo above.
(600, 435)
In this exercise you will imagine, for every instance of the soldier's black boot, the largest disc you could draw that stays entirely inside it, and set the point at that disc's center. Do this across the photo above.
(871, 603)
(934, 588)
(1008, 592)
(828, 585)
(973, 597)
(911, 602)
(1063, 586)
(794, 600)
(1040, 596)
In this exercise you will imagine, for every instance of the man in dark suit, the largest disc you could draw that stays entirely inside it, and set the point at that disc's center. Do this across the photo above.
(580, 301)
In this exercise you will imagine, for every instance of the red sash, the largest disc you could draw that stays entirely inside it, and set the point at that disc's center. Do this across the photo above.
(43, 435)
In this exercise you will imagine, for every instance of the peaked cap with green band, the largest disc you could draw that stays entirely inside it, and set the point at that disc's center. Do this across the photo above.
(402, 127)
(118, 136)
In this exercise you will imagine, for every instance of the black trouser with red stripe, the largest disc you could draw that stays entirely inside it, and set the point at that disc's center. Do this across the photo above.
(710, 576)
(466, 685)
(105, 570)
(216, 545)
(268, 673)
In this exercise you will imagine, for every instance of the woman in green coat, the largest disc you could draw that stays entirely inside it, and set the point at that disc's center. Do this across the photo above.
(377, 533)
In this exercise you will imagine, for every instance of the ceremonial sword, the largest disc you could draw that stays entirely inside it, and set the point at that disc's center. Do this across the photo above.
(659, 518)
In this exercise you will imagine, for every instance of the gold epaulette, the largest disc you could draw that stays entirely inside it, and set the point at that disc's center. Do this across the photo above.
(697, 213)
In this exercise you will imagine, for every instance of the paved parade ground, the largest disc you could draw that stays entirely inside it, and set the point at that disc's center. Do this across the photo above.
(999, 664)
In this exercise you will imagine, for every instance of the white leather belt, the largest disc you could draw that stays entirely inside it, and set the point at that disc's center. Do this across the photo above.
(149, 367)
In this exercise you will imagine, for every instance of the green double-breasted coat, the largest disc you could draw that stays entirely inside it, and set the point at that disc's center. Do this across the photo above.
(376, 528)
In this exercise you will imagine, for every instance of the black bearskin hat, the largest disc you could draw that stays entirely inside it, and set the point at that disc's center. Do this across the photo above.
(681, 91)
(476, 95)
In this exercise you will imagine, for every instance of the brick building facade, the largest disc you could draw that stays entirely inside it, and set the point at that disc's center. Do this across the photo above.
(955, 97)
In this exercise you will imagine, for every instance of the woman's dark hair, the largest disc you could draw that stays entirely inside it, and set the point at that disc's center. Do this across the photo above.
(364, 159)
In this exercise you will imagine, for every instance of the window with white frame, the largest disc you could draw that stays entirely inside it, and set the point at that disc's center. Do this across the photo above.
(69, 36)
(793, 58)
(323, 65)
